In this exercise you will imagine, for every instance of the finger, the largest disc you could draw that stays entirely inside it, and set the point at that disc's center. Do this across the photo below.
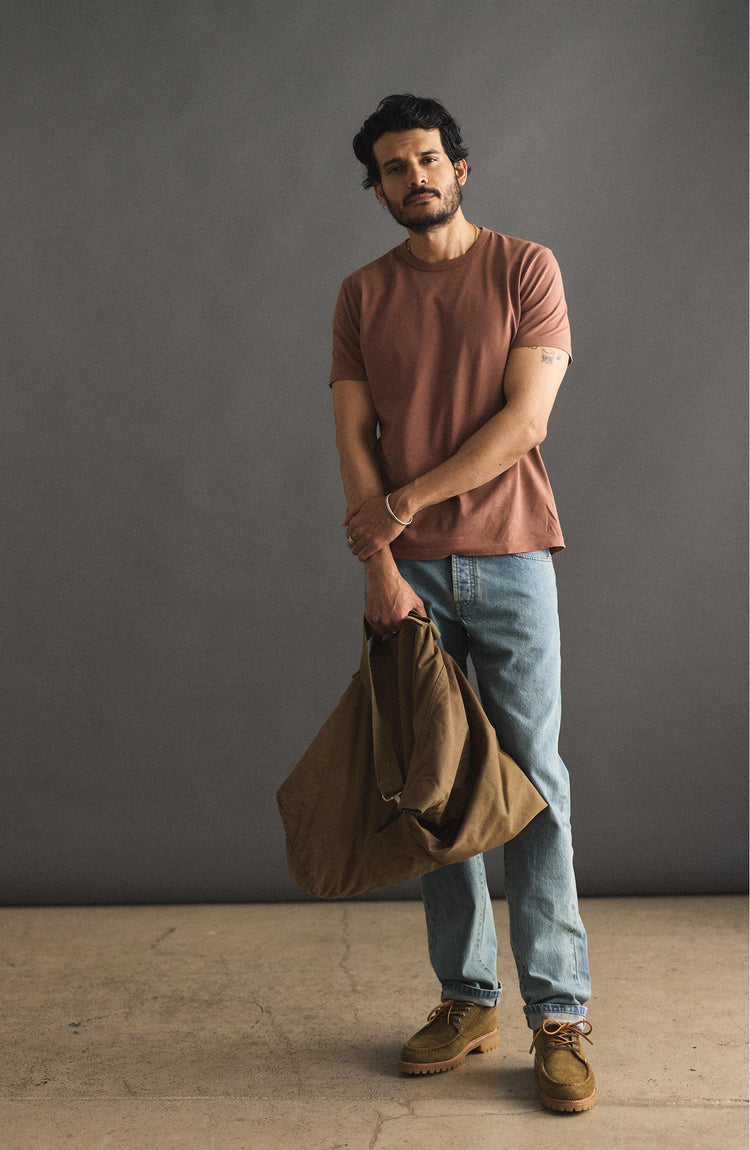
(351, 511)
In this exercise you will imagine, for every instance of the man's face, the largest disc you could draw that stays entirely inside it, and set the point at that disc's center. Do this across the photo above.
(418, 183)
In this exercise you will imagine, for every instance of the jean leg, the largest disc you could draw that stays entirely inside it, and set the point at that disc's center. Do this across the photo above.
(432, 581)
(460, 925)
(461, 931)
(514, 644)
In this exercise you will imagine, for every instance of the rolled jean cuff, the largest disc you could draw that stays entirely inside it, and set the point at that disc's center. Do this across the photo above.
(555, 1012)
(465, 992)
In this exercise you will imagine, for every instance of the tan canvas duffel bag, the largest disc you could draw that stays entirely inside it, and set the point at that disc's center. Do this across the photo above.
(406, 774)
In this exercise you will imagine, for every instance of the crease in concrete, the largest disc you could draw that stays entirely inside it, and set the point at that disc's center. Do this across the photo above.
(290, 1061)
(381, 1119)
(608, 1103)
(76, 1026)
(676, 1103)
(160, 939)
(261, 1008)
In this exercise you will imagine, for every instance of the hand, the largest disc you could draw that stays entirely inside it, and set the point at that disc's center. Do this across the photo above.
(389, 601)
(369, 527)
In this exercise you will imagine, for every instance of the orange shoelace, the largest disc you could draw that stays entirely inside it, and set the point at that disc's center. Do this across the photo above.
(562, 1034)
(449, 1007)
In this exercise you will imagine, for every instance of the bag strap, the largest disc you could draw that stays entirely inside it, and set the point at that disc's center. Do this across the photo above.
(387, 771)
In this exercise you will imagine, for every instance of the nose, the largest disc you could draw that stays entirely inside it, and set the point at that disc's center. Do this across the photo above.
(417, 177)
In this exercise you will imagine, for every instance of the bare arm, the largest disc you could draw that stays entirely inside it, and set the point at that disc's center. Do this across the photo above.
(356, 432)
(389, 596)
(532, 379)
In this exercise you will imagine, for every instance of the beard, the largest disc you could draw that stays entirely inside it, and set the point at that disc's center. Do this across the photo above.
(446, 206)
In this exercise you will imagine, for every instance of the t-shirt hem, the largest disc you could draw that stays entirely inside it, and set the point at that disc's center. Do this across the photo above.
(540, 341)
(444, 548)
(355, 378)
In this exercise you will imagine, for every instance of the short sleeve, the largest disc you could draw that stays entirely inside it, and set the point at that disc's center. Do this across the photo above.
(544, 313)
(347, 352)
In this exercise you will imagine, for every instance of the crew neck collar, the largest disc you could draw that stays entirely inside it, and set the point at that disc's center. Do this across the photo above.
(444, 265)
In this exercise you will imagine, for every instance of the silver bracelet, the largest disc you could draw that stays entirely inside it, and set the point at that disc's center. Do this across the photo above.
(393, 515)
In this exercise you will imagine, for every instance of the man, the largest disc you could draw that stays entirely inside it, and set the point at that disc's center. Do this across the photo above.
(448, 353)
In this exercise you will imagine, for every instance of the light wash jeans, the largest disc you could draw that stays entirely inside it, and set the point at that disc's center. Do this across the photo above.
(501, 610)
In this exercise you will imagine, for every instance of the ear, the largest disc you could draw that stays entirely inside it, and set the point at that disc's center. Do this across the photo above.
(462, 171)
(379, 193)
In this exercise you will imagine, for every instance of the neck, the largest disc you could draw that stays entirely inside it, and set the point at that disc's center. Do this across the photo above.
(444, 243)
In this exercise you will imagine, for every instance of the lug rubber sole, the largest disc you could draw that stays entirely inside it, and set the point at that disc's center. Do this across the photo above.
(481, 1045)
(568, 1105)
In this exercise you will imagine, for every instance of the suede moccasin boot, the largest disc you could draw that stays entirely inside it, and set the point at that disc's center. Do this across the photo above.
(453, 1030)
(566, 1080)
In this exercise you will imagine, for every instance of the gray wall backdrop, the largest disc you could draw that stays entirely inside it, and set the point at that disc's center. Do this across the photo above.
(180, 614)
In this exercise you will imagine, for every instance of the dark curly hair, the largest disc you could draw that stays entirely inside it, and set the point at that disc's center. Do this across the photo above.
(399, 114)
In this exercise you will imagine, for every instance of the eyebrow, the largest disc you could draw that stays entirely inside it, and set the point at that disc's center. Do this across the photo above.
(398, 159)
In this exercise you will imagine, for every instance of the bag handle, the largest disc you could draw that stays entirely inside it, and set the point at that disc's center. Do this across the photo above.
(387, 771)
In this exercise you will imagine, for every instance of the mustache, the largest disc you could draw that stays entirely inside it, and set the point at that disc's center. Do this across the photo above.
(422, 192)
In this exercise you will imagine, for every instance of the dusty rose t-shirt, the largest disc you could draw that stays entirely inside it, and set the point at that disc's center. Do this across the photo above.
(432, 340)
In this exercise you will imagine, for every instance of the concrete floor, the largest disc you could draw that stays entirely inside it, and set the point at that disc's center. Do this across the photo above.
(267, 1027)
